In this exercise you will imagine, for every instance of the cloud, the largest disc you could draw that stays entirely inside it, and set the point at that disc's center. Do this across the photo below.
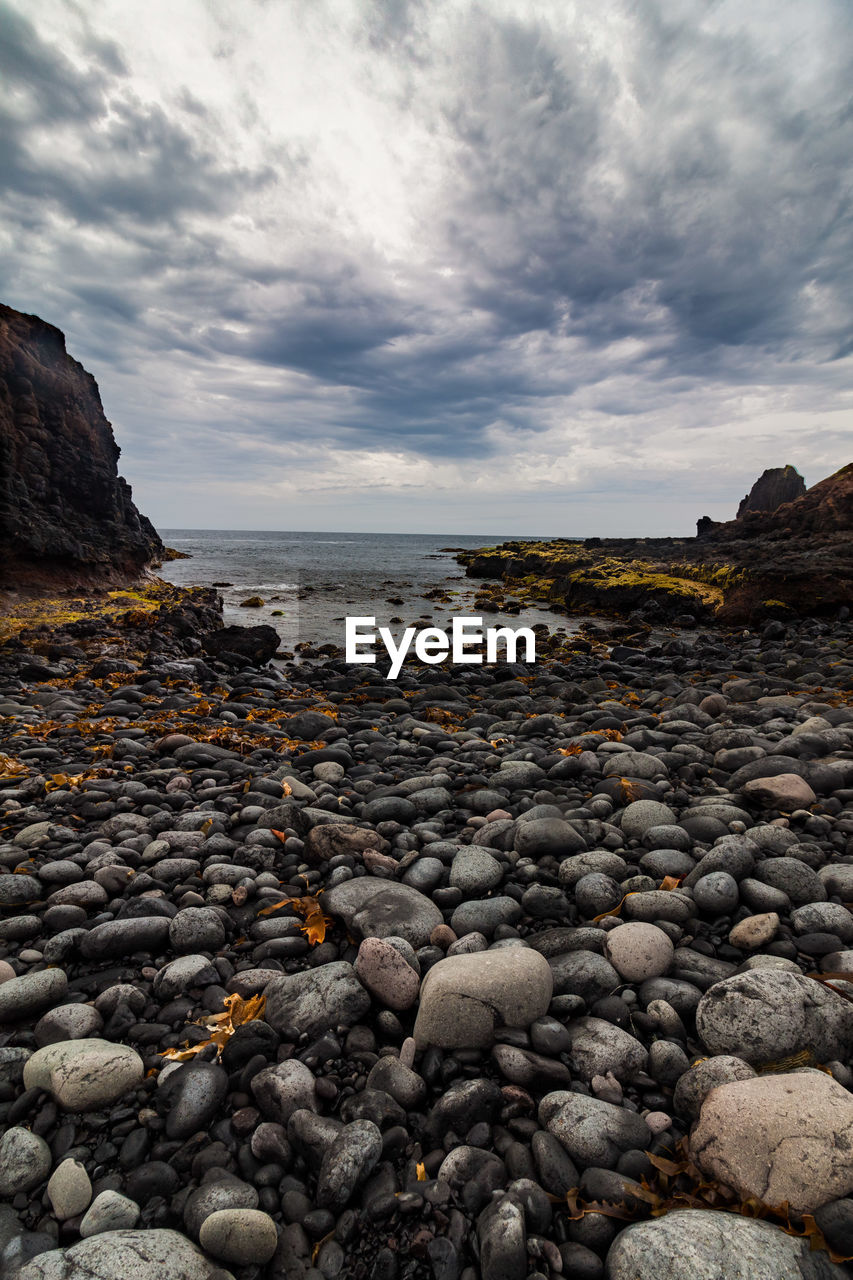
(514, 254)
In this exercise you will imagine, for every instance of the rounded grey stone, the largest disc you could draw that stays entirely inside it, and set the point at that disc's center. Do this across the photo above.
(643, 815)
(374, 908)
(68, 1022)
(583, 973)
(242, 1236)
(22, 997)
(541, 836)
(283, 1088)
(475, 871)
(83, 1075)
(599, 1046)
(764, 1015)
(25, 1161)
(146, 1254)
(484, 915)
(717, 893)
(69, 1189)
(109, 1211)
(593, 1132)
(347, 1162)
(705, 1246)
(596, 860)
(317, 1000)
(639, 951)
(466, 998)
(696, 1083)
(225, 1192)
(197, 929)
(175, 978)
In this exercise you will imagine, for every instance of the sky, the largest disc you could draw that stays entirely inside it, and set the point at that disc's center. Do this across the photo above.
(542, 267)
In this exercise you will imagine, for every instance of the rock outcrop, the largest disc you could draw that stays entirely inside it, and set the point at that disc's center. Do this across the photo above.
(796, 559)
(67, 518)
(773, 488)
(825, 509)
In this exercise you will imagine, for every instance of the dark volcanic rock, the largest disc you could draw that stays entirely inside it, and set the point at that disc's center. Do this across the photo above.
(796, 559)
(66, 515)
(243, 644)
(773, 487)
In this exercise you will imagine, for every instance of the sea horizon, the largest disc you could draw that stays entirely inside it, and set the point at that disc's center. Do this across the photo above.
(309, 581)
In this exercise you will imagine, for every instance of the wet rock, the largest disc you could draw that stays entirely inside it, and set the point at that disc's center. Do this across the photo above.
(599, 1047)
(192, 1096)
(373, 908)
(593, 1132)
(286, 1087)
(502, 1236)
(475, 871)
(69, 1189)
(755, 931)
(26, 996)
(786, 791)
(639, 951)
(196, 929)
(386, 974)
(348, 1160)
(109, 1211)
(583, 973)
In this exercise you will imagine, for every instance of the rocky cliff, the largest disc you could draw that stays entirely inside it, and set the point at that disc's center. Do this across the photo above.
(67, 517)
(773, 488)
(825, 510)
(796, 559)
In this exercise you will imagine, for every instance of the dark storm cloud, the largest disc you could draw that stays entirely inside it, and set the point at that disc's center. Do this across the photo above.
(730, 198)
(628, 204)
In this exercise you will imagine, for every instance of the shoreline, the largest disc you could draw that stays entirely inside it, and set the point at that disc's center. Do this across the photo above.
(181, 832)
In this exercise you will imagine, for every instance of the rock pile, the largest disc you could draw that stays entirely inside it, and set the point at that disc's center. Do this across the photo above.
(306, 973)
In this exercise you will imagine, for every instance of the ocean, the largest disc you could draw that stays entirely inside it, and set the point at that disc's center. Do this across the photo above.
(310, 582)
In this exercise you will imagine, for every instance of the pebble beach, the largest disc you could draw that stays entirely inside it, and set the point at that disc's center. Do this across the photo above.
(501, 972)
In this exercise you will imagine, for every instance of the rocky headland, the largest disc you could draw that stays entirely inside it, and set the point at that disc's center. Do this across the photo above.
(67, 518)
(795, 559)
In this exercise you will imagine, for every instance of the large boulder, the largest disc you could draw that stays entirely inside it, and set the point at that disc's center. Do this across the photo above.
(466, 998)
(83, 1075)
(764, 1015)
(595, 1133)
(152, 1254)
(780, 1138)
(317, 1000)
(693, 1244)
(773, 488)
(255, 645)
(374, 908)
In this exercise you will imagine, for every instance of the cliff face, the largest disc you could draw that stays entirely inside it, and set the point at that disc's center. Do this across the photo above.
(66, 516)
(772, 489)
(825, 509)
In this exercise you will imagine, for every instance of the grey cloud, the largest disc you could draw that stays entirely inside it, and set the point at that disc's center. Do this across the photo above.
(729, 201)
(680, 191)
(134, 160)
